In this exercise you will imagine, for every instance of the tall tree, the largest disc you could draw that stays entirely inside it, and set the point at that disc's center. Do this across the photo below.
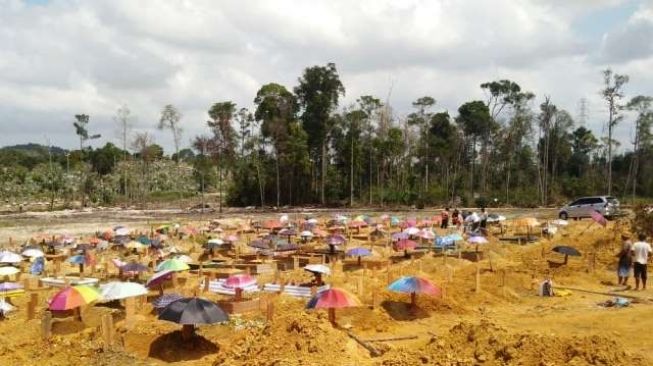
(170, 118)
(371, 106)
(612, 94)
(276, 108)
(224, 137)
(475, 121)
(318, 94)
(81, 129)
(642, 105)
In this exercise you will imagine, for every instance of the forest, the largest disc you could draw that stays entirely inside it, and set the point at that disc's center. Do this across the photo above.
(301, 145)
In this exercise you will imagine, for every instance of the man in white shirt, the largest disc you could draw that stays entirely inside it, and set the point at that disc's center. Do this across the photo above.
(640, 251)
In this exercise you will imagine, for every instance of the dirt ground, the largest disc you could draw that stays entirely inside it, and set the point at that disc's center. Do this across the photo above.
(499, 322)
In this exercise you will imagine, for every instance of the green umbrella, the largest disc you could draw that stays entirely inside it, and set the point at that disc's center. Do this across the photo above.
(173, 264)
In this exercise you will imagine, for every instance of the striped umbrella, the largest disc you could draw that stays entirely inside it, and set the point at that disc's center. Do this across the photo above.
(73, 297)
(414, 285)
(332, 299)
(165, 300)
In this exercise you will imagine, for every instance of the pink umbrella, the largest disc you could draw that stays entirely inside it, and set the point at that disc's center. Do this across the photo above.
(240, 281)
(158, 279)
(405, 244)
(598, 218)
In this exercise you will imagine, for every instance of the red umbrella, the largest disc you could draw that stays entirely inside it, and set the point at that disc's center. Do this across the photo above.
(405, 244)
(272, 225)
(332, 299)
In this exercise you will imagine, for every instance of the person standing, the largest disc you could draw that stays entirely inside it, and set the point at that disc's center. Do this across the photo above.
(625, 260)
(483, 217)
(444, 219)
(640, 251)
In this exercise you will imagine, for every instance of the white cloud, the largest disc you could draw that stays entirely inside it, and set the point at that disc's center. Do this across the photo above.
(74, 56)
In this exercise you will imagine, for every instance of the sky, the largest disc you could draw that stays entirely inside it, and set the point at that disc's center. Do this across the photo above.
(59, 58)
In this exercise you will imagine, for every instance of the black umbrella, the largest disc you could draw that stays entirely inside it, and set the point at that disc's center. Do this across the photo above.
(134, 267)
(193, 310)
(567, 251)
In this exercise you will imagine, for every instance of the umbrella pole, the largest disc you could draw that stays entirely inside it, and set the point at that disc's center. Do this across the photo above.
(359, 260)
(566, 258)
(332, 316)
(187, 331)
(161, 289)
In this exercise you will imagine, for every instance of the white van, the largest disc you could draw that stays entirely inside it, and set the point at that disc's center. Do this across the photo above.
(607, 206)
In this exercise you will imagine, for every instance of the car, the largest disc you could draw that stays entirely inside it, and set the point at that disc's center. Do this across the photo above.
(607, 206)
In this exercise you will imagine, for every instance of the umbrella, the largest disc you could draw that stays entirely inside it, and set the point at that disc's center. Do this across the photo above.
(477, 240)
(144, 240)
(158, 278)
(426, 234)
(190, 311)
(121, 290)
(357, 224)
(318, 268)
(172, 265)
(37, 266)
(404, 244)
(33, 253)
(77, 259)
(232, 238)
(260, 244)
(359, 252)
(272, 225)
(239, 281)
(306, 234)
(455, 237)
(335, 239)
(134, 267)
(184, 258)
(400, 236)
(560, 222)
(8, 271)
(73, 297)
(83, 246)
(10, 257)
(121, 231)
(214, 243)
(411, 230)
(10, 286)
(567, 251)
(287, 232)
(414, 285)
(598, 218)
(165, 300)
(332, 299)
(135, 245)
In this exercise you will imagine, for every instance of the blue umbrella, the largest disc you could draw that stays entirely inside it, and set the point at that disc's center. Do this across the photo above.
(77, 259)
(359, 252)
(454, 237)
(144, 240)
(38, 266)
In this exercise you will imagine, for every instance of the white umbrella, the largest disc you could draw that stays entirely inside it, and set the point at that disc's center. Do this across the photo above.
(121, 290)
(8, 271)
(312, 221)
(283, 218)
(318, 268)
(560, 222)
(33, 253)
(216, 241)
(5, 307)
(306, 234)
(411, 231)
(10, 257)
(122, 231)
(184, 258)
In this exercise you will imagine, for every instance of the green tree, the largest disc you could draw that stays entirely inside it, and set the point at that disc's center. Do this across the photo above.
(170, 119)
(318, 93)
(612, 94)
(224, 139)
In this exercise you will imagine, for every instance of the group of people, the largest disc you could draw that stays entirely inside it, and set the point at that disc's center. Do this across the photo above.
(635, 255)
(473, 222)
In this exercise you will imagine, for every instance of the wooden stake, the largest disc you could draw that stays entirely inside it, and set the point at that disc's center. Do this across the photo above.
(269, 314)
(478, 278)
(31, 305)
(46, 325)
(107, 331)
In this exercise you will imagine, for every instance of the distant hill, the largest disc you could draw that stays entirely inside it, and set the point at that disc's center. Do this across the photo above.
(35, 149)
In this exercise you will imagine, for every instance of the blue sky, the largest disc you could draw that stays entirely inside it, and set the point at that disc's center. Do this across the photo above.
(64, 57)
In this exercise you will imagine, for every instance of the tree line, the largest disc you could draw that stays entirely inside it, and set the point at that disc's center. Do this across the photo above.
(301, 146)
